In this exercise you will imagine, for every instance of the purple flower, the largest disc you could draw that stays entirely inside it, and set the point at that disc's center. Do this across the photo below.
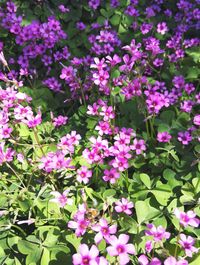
(184, 137)
(101, 78)
(80, 25)
(162, 28)
(163, 137)
(120, 248)
(94, 4)
(139, 146)
(187, 243)
(196, 120)
(187, 105)
(99, 64)
(188, 218)
(145, 28)
(63, 9)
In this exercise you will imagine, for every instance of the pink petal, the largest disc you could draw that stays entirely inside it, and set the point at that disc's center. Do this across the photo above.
(72, 224)
(83, 249)
(103, 222)
(94, 252)
(123, 259)
(143, 260)
(98, 238)
(194, 222)
(123, 239)
(170, 261)
(77, 259)
(130, 248)
(112, 251)
(113, 229)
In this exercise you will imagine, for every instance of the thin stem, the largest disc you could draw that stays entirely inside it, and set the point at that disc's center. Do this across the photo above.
(37, 140)
(16, 175)
(176, 248)
(83, 96)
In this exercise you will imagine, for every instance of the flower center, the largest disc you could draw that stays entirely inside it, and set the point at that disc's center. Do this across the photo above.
(86, 260)
(120, 249)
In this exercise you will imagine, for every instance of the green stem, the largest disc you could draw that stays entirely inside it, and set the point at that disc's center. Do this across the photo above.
(83, 96)
(16, 175)
(176, 248)
(37, 140)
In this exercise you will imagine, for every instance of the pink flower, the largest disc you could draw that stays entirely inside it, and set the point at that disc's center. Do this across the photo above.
(91, 156)
(68, 142)
(107, 113)
(32, 121)
(138, 146)
(120, 163)
(111, 175)
(103, 229)
(101, 78)
(20, 158)
(113, 61)
(67, 73)
(86, 256)
(61, 198)
(173, 261)
(6, 155)
(120, 248)
(80, 225)
(149, 246)
(163, 137)
(104, 128)
(188, 218)
(162, 28)
(2, 59)
(122, 139)
(124, 206)
(158, 233)
(5, 132)
(187, 243)
(84, 174)
(99, 64)
(196, 120)
(143, 260)
(60, 120)
(55, 161)
(93, 110)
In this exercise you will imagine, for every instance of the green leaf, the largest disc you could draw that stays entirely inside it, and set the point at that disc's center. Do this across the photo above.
(45, 257)
(162, 193)
(196, 261)
(26, 247)
(109, 193)
(146, 180)
(73, 240)
(34, 256)
(144, 211)
(115, 20)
